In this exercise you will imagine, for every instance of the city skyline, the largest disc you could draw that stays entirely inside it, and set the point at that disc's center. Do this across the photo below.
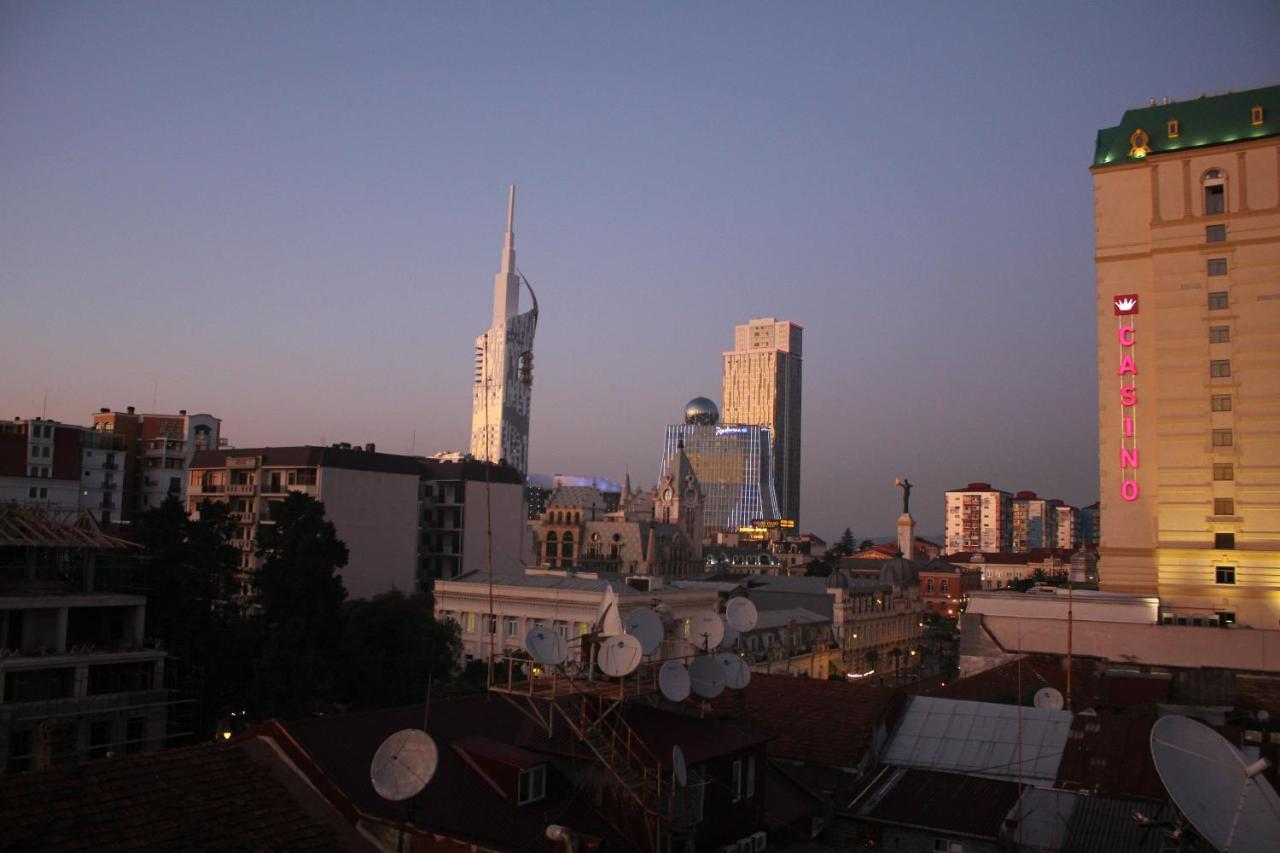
(295, 258)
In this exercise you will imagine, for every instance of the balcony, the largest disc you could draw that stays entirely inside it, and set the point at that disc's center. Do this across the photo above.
(275, 488)
(242, 489)
(242, 517)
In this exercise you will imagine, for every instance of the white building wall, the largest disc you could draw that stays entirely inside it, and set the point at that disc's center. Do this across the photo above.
(376, 515)
(511, 534)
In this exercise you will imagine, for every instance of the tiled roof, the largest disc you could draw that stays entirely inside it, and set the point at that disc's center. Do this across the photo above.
(1091, 686)
(942, 802)
(811, 720)
(225, 797)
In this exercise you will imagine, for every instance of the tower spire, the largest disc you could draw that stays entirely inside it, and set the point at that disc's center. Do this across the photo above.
(506, 284)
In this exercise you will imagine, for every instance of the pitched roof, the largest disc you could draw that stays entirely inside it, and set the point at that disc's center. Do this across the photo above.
(238, 796)
(945, 802)
(810, 720)
(1110, 755)
(1091, 685)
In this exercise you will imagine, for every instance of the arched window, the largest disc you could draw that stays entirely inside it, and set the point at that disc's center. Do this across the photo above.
(928, 586)
(566, 546)
(1215, 192)
(551, 544)
(946, 587)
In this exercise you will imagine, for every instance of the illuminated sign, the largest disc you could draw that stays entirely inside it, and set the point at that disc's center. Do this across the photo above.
(1126, 309)
(732, 430)
(774, 523)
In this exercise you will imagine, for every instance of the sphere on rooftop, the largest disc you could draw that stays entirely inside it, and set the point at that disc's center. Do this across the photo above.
(700, 410)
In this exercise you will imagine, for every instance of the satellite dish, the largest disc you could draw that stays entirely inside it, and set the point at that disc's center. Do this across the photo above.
(706, 676)
(620, 655)
(643, 624)
(673, 681)
(736, 673)
(678, 766)
(741, 614)
(1049, 699)
(1222, 794)
(404, 764)
(730, 638)
(546, 646)
(706, 630)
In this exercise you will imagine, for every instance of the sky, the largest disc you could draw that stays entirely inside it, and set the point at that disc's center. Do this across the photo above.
(289, 215)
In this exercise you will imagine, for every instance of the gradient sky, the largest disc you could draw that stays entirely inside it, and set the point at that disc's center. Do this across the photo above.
(289, 215)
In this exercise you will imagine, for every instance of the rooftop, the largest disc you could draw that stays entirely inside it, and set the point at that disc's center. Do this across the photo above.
(944, 802)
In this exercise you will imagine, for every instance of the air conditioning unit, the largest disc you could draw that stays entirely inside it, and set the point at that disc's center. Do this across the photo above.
(760, 840)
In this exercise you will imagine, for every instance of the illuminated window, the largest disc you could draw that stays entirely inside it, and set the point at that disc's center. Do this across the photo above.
(1224, 541)
(1255, 115)
(1215, 192)
(1220, 368)
(1215, 233)
(1219, 334)
(1223, 471)
(1222, 438)
(1173, 128)
(1218, 301)
(1217, 266)
(1224, 506)
(928, 586)
(1225, 574)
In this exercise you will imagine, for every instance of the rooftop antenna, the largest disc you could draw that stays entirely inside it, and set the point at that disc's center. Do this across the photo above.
(44, 404)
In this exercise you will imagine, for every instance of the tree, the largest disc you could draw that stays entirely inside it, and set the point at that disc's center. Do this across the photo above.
(390, 646)
(299, 597)
(846, 545)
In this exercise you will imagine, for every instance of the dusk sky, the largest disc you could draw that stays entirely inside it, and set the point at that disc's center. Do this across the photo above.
(289, 215)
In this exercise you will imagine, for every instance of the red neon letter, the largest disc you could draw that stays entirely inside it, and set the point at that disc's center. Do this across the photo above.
(1128, 395)
(1128, 457)
(1128, 426)
(1129, 490)
(1126, 336)
(1127, 366)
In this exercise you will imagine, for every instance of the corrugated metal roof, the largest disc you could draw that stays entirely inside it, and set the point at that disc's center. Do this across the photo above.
(769, 619)
(981, 738)
(1104, 825)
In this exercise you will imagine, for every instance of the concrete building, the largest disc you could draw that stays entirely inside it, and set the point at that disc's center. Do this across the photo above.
(500, 397)
(762, 387)
(1187, 207)
(78, 679)
(1002, 570)
(1035, 524)
(1068, 527)
(62, 467)
(979, 518)
(405, 520)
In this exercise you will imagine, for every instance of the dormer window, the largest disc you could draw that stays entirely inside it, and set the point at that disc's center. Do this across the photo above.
(533, 784)
(1256, 115)
(1173, 128)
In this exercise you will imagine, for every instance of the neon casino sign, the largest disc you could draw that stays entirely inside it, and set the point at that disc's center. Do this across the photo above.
(1126, 308)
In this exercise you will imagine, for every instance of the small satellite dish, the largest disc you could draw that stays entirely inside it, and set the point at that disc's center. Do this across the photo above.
(673, 681)
(706, 676)
(741, 614)
(737, 674)
(546, 646)
(643, 624)
(678, 766)
(1048, 698)
(404, 764)
(730, 635)
(1222, 794)
(706, 630)
(620, 655)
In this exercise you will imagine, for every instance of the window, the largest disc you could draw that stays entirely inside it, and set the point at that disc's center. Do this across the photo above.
(1215, 233)
(1220, 403)
(44, 493)
(945, 587)
(1224, 506)
(1224, 541)
(468, 622)
(1220, 368)
(1226, 617)
(1222, 438)
(1223, 471)
(751, 776)
(928, 586)
(511, 625)
(1255, 115)
(1217, 266)
(1218, 301)
(1219, 334)
(533, 784)
(736, 787)
(135, 734)
(35, 453)
(1173, 128)
(1225, 574)
(1215, 192)
(31, 492)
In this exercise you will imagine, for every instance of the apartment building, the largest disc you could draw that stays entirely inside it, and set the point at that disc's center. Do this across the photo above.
(979, 518)
(61, 466)
(1035, 524)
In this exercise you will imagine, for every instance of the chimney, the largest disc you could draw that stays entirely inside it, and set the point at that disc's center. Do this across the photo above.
(370, 447)
(129, 410)
(104, 410)
(182, 411)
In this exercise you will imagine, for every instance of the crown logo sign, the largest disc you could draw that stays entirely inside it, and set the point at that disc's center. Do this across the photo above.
(1125, 303)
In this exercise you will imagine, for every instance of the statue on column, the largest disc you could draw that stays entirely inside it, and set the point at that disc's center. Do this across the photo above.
(904, 484)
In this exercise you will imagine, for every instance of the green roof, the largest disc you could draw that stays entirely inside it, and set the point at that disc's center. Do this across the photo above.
(1207, 120)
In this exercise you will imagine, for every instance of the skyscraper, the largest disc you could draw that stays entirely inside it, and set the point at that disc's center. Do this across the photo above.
(504, 365)
(762, 387)
(1187, 202)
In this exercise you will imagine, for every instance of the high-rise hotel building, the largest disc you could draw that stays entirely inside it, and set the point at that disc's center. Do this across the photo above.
(1187, 221)
(762, 385)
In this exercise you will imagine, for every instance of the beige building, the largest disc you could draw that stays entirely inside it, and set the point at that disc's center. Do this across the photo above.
(762, 387)
(979, 518)
(1187, 214)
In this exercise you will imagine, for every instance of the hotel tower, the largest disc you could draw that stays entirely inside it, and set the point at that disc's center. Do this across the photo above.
(504, 366)
(1187, 221)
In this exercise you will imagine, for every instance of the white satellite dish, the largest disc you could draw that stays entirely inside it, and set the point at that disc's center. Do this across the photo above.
(741, 614)
(706, 676)
(737, 674)
(730, 638)
(546, 646)
(678, 766)
(643, 624)
(1048, 698)
(706, 630)
(620, 655)
(404, 764)
(1222, 794)
(673, 681)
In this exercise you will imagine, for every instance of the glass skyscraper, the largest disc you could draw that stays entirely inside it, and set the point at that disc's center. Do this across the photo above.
(734, 467)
